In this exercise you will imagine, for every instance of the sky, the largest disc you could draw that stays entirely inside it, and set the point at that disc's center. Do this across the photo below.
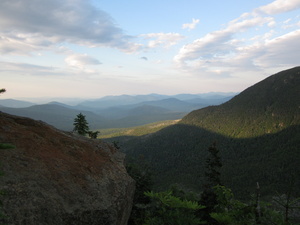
(95, 48)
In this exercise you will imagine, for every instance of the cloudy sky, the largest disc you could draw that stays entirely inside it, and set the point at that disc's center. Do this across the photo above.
(94, 48)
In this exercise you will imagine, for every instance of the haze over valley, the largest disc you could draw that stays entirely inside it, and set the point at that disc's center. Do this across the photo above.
(115, 111)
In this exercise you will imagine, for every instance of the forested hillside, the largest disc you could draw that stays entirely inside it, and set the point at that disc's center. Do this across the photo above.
(257, 133)
(267, 107)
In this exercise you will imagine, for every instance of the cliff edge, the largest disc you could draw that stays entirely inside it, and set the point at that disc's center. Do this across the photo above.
(55, 177)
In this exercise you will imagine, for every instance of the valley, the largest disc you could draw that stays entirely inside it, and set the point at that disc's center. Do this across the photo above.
(115, 111)
(146, 129)
(257, 133)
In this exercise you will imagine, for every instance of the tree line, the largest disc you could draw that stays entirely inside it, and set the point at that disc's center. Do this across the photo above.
(216, 205)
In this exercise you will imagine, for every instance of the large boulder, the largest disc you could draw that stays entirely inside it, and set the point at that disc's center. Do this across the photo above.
(55, 177)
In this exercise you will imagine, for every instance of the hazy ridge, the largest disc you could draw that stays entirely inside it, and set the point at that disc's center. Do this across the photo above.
(115, 111)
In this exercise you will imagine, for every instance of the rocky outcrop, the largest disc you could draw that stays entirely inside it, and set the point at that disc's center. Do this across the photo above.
(54, 177)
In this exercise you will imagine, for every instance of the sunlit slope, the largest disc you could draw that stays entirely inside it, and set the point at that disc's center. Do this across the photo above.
(146, 129)
(267, 107)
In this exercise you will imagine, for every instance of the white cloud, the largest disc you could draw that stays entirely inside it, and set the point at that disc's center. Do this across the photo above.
(192, 25)
(280, 51)
(291, 23)
(279, 6)
(162, 39)
(32, 25)
(277, 53)
(218, 43)
(28, 69)
(16, 43)
(81, 60)
(243, 23)
(230, 49)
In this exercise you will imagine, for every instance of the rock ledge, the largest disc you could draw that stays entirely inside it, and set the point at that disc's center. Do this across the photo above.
(54, 177)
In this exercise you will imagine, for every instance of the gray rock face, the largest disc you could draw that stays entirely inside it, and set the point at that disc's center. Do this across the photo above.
(53, 177)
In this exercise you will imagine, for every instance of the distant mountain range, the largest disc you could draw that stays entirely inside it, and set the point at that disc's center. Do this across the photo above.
(212, 98)
(53, 114)
(15, 103)
(115, 111)
(257, 133)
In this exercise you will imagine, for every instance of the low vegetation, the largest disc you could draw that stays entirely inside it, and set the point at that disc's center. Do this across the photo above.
(258, 136)
(135, 131)
(216, 205)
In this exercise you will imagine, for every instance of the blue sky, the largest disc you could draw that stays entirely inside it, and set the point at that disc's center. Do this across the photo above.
(90, 49)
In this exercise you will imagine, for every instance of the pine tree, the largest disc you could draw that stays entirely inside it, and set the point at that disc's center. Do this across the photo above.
(213, 167)
(212, 179)
(81, 125)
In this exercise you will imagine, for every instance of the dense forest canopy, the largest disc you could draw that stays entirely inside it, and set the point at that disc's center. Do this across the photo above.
(257, 133)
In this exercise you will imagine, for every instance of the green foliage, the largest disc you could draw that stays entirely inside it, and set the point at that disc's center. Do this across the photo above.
(136, 131)
(6, 146)
(213, 166)
(168, 209)
(230, 211)
(93, 134)
(212, 177)
(2, 90)
(184, 194)
(81, 125)
(169, 200)
(267, 107)
(258, 132)
(177, 154)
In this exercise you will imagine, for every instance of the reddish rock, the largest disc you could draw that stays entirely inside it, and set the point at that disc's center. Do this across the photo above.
(55, 177)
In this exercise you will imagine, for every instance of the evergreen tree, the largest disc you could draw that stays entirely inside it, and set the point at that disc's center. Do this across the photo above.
(213, 167)
(93, 134)
(81, 125)
(212, 179)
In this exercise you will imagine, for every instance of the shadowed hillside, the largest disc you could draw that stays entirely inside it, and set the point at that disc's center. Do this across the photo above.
(257, 132)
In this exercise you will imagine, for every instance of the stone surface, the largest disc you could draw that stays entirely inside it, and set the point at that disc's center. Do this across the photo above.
(54, 177)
